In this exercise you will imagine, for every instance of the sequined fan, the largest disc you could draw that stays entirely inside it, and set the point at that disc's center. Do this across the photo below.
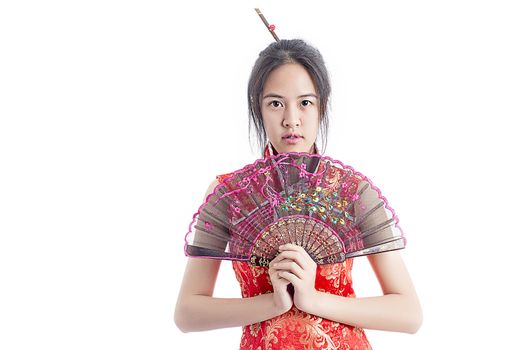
(314, 201)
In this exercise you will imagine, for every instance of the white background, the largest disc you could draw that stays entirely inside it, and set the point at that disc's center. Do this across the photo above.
(116, 115)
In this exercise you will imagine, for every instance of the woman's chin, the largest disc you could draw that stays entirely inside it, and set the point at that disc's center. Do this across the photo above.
(294, 148)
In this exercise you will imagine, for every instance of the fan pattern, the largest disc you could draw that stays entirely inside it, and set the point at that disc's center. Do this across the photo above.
(318, 239)
(310, 200)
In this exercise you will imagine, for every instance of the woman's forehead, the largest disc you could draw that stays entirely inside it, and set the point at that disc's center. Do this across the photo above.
(289, 80)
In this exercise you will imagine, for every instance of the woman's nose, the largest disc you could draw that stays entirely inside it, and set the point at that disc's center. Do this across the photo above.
(291, 118)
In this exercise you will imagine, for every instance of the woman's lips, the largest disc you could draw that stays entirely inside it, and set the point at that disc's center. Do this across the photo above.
(293, 140)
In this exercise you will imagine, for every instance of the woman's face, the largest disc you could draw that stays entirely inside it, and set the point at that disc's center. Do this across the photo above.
(290, 110)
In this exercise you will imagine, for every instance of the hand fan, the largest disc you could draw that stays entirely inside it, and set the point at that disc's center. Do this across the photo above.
(313, 201)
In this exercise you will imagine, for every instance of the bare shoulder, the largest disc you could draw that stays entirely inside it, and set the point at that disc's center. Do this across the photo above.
(212, 187)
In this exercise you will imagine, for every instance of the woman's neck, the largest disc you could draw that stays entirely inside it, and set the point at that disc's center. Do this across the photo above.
(269, 150)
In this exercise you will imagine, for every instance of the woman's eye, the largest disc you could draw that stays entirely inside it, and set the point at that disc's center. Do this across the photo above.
(306, 103)
(276, 104)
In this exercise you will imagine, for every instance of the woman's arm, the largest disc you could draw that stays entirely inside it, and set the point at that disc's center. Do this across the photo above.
(397, 310)
(197, 310)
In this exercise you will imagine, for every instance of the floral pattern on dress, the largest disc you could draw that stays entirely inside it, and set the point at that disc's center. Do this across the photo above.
(296, 329)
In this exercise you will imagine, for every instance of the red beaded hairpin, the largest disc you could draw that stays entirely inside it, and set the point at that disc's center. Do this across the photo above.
(270, 27)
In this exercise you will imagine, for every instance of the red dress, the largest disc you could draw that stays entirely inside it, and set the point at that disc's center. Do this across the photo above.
(296, 329)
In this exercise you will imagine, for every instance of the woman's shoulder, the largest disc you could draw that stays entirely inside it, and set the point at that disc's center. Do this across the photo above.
(218, 180)
(221, 178)
(211, 187)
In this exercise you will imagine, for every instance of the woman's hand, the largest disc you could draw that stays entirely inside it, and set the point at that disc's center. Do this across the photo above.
(295, 265)
(281, 297)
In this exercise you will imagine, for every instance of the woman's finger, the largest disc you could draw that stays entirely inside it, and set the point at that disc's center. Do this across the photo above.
(290, 266)
(289, 276)
(291, 255)
(295, 248)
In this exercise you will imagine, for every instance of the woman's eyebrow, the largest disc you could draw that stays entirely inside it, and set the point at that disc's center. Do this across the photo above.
(308, 95)
(272, 95)
(282, 97)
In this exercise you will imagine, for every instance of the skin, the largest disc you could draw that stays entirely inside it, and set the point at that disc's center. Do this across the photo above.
(290, 105)
(285, 109)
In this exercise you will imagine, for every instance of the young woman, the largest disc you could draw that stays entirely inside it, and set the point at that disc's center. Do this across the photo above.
(288, 95)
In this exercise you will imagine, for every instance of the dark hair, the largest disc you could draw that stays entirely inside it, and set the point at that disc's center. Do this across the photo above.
(275, 55)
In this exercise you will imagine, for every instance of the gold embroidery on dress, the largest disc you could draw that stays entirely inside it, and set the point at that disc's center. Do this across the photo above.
(296, 329)
(313, 335)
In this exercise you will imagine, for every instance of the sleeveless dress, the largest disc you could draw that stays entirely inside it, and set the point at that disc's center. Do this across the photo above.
(296, 329)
